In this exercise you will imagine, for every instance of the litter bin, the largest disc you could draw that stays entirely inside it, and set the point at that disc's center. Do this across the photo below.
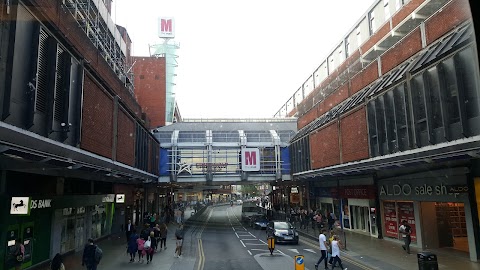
(427, 261)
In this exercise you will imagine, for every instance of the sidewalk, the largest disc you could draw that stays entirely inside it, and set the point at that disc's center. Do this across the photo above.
(115, 255)
(388, 254)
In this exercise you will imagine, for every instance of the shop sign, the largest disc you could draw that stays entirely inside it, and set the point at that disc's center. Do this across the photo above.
(20, 206)
(120, 198)
(358, 192)
(412, 190)
(390, 217)
(294, 190)
(41, 204)
(457, 188)
(109, 198)
(294, 198)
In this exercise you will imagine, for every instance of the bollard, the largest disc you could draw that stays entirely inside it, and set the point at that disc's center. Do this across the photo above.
(271, 244)
(299, 262)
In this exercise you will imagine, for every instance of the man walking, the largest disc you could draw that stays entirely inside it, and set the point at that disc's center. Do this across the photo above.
(322, 239)
(89, 257)
(406, 230)
(129, 229)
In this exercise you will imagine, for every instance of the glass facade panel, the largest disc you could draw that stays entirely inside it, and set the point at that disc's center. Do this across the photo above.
(467, 70)
(451, 91)
(434, 98)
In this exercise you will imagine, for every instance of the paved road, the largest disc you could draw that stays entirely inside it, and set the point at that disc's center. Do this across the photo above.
(226, 243)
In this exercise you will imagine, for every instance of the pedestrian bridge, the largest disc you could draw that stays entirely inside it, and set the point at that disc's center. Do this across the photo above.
(225, 150)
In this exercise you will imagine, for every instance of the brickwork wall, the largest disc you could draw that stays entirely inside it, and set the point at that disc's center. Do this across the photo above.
(150, 88)
(126, 139)
(354, 136)
(97, 119)
(324, 148)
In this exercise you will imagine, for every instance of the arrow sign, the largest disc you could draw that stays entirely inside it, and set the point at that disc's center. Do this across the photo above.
(299, 260)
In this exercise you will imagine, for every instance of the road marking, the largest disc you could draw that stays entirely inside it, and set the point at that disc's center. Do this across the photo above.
(294, 250)
(252, 234)
(249, 239)
(243, 244)
(201, 255)
(249, 252)
(253, 244)
(343, 258)
(262, 241)
(309, 250)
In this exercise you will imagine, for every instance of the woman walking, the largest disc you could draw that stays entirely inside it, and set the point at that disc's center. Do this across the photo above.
(151, 248)
(163, 236)
(336, 245)
(132, 246)
(140, 249)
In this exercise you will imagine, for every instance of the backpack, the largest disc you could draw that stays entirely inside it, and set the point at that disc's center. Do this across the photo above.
(98, 254)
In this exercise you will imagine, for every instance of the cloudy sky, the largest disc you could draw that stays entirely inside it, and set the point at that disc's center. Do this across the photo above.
(241, 59)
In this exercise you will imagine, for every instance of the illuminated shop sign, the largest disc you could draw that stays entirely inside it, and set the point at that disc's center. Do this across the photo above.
(120, 198)
(425, 189)
(109, 198)
(20, 206)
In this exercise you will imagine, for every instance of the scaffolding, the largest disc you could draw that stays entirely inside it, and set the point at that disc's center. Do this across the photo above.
(93, 17)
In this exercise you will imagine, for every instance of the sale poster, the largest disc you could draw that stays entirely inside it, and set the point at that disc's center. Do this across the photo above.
(390, 217)
(406, 212)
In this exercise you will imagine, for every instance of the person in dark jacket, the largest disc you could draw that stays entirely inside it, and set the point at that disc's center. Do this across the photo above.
(88, 259)
(57, 263)
(132, 247)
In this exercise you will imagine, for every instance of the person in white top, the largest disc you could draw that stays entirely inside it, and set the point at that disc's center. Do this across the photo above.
(322, 239)
(336, 245)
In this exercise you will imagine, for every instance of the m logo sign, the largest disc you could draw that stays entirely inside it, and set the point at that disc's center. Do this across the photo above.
(166, 27)
(250, 159)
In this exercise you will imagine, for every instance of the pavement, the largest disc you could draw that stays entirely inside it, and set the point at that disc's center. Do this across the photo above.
(115, 255)
(374, 253)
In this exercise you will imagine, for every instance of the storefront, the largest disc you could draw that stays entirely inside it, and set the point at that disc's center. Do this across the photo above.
(358, 209)
(435, 204)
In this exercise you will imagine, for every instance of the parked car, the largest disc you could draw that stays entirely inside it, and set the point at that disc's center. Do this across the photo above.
(282, 231)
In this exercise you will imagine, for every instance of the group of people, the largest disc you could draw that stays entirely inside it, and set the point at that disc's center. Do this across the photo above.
(330, 250)
(317, 218)
(146, 243)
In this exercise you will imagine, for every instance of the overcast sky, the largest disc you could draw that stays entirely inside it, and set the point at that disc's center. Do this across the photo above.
(241, 59)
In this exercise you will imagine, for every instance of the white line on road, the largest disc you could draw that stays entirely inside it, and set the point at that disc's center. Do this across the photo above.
(243, 244)
(262, 241)
(294, 250)
(249, 252)
(249, 239)
(310, 250)
(253, 244)
(252, 234)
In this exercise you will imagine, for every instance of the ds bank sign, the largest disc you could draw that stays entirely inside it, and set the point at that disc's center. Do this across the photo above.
(166, 27)
(250, 159)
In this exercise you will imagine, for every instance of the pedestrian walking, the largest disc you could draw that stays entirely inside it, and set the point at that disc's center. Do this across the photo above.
(329, 248)
(129, 229)
(322, 239)
(406, 230)
(132, 246)
(179, 233)
(156, 234)
(163, 236)
(91, 255)
(150, 248)
(140, 249)
(57, 263)
(336, 246)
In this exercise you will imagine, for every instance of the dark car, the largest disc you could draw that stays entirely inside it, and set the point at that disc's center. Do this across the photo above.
(259, 222)
(282, 231)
